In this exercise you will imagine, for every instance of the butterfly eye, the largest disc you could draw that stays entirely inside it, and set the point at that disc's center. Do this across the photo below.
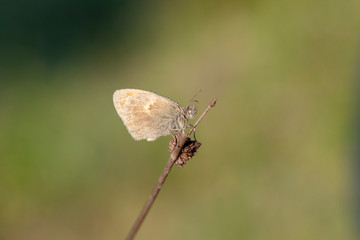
(190, 111)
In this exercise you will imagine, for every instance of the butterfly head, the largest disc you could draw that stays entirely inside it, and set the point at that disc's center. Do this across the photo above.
(190, 111)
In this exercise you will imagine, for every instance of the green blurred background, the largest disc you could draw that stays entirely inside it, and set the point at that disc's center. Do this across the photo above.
(276, 156)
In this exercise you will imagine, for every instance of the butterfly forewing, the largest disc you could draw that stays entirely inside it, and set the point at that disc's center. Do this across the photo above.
(147, 115)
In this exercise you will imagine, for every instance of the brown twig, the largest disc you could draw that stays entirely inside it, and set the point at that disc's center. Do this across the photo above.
(173, 156)
(212, 104)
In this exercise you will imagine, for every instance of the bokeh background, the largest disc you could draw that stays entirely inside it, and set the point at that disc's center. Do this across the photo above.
(277, 154)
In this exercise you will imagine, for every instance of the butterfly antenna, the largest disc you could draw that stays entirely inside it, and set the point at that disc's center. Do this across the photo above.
(193, 98)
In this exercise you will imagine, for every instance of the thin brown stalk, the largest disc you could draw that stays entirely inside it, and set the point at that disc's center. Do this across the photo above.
(172, 158)
(212, 104)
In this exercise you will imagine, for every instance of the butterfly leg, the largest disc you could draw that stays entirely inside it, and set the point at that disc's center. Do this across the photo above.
(190, 126)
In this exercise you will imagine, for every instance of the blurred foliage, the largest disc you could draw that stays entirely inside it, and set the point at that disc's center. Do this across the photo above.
(57, 30)
(276, 156)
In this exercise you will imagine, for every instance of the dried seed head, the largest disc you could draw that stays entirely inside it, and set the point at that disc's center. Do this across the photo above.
(187, 152)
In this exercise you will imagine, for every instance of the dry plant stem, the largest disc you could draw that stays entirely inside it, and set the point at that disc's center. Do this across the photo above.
(173, 156)
(212, 104)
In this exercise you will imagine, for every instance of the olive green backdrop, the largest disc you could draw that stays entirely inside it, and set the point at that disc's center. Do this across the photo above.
(276, 156)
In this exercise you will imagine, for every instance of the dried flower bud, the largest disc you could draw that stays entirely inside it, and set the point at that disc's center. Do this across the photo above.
(188, 151)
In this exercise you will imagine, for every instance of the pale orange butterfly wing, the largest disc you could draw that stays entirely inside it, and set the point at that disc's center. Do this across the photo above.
(148, 115)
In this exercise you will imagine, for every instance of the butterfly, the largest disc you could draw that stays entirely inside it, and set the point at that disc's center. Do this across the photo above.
(148, 115)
